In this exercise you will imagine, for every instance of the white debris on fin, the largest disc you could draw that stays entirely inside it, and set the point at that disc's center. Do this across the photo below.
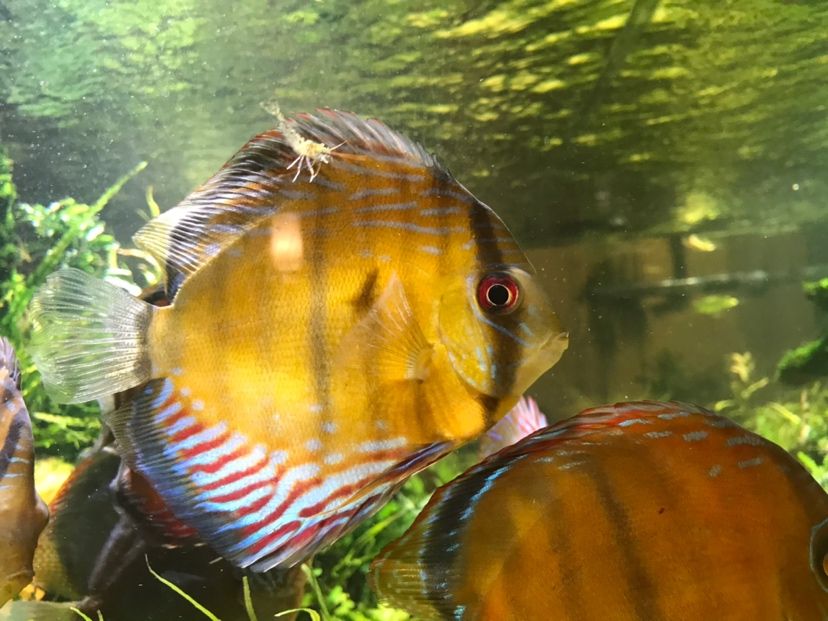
(309, 152)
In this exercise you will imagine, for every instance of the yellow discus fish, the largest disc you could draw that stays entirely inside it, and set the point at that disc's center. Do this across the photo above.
(638, 511)
(329, 335)
(22, 512)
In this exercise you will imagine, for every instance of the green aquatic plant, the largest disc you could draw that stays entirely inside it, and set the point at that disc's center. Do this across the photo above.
(715, 305)
(817, 292)
(796, 419)
(805, 363)
(809, 361)
(35, 240)
(339, 575)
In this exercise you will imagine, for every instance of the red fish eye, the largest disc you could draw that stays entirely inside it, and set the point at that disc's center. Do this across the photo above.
(498, 293)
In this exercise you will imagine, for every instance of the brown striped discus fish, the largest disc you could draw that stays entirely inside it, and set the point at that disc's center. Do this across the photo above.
(329, 335)
(22, 512)
(635, 511)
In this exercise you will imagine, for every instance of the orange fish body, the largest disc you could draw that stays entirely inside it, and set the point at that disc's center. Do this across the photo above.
(635, 511)
(22, 512)
(328, 336)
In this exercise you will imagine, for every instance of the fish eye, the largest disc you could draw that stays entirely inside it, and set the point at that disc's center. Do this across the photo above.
(498, 293)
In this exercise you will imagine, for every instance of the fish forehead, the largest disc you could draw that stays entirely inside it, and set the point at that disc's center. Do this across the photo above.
(662, 430)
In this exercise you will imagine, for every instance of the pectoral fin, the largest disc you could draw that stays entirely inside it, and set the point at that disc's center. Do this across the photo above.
(387, 342)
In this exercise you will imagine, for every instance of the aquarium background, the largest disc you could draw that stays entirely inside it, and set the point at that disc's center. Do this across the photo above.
(664, 163)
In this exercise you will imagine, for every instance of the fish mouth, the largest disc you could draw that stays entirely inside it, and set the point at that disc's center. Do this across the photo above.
(543, 359)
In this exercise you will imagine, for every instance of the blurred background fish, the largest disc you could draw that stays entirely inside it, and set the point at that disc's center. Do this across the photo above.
(104, 567)
(68, 548)
(519, 422)
(638, 510)
(329, 335)
(23, 515)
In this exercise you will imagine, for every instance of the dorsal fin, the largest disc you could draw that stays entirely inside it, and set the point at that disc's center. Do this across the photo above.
(257, 180)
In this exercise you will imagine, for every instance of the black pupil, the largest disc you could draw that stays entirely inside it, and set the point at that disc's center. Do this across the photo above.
(498, 295)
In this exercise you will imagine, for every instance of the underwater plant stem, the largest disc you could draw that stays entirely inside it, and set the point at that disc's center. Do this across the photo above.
(248, 600)
(116, 187)
(84, 616)
(308, 569)
(311, 613)
(181, 592)
(52, 258)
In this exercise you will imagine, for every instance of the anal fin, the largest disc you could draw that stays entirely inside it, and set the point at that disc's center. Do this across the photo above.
(211, 478)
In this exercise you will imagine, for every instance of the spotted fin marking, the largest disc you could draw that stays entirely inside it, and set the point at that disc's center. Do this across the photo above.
(88, 337)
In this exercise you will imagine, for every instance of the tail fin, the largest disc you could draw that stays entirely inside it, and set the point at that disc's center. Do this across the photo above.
(37, 611)
(89, 337)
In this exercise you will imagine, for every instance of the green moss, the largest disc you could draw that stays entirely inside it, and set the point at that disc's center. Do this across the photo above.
(817, 291)
(804, 364)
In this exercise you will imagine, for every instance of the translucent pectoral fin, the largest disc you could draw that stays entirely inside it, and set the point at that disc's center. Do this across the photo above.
(387, 342)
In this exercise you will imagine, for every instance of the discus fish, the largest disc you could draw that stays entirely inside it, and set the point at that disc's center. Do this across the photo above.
(519, 422)
(68, 548)
(626, 512)
(22, 512)
(81, 545)
(327, 337)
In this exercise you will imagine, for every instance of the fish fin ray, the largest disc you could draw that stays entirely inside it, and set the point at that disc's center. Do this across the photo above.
(399, 349)
(88, 337)
(523, 419)
(199, 471)
(257, 180)
(188, 236)
(396, 575)
(387, 484)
